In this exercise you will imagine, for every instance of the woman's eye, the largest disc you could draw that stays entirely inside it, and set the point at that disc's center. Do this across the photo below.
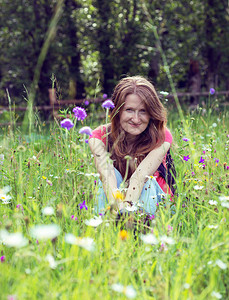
(128, 109)
(142, 111)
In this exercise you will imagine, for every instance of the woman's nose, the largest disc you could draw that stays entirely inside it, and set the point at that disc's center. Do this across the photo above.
(136, 117)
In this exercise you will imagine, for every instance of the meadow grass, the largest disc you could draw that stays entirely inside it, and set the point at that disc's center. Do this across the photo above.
(54, 168)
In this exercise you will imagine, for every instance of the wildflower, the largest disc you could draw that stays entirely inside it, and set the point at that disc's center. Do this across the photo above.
(49, 182)
(131, 208)
(16, 239)
(48, 211)
(45, 232)
(221, 264)
(186, 285)
(86, 242)
(152, 217)
(1, 159)
(149, 238)
(94, 222)
(163, 247)
(3, 194)
(167, 240)
(66, 123)
(212, 91)
(198, 187)
(193, 173)
(104, 96)
(44, 177)
(185, 139)
(204, 151)
(85, 130)
(83, 205)
(169, 229)
(2, 258)
(216, 295)
(123, 235)
(73, 217)
(211, 202)
(216, 160)
(86, 103)
(12, 297)
(213, 226)
(224, 198)
(201, 160)
(214, 125)
(80, 113)
(225, 204)
(129, 291)
(118, 195)
(20, 206)
(164, 93)
(186, 158)
(51, 261)
(108, 104)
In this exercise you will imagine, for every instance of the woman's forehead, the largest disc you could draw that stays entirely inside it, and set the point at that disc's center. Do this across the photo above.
(134, 100)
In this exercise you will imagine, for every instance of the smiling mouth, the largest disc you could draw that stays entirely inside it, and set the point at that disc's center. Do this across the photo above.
(134, 125)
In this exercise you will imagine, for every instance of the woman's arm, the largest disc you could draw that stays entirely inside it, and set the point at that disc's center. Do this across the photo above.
(105, 168)
(147, 167)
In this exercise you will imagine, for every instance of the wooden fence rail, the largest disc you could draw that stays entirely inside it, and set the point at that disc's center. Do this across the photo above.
(55, 104)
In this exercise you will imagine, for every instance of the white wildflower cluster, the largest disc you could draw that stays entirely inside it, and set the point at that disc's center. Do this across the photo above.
(84, 242)
(128, 291)
(224, 201)
(3, 195)
(15, 239)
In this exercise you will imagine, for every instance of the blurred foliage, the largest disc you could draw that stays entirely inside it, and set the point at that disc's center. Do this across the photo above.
(97, 42)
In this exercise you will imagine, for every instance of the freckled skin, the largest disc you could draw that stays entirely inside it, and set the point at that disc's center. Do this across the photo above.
(134, 118)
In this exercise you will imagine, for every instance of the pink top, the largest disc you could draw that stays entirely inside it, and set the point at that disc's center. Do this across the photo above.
(100, 133)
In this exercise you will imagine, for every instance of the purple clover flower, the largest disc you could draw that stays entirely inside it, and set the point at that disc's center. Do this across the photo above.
(66, 123)
(80, 113)
(86, 102)
(185, 139)
(2, 258)
(186, 158)
(104, 96)
(85, 130)
(216, 160)
(201, 160)
(108, 104)
(83, 205)
(212, 91)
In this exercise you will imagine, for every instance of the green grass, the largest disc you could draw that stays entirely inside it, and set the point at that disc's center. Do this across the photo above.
(189, 268)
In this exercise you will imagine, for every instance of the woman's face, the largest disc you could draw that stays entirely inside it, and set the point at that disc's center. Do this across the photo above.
(134, 117)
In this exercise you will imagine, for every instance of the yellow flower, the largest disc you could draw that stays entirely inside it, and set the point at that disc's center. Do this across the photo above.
(43, 177)
(118, 195)
(123, 235)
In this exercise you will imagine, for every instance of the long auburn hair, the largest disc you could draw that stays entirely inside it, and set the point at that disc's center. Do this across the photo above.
(152, 137)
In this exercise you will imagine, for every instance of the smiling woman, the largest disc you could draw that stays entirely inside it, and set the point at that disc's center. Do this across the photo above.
(131, 151)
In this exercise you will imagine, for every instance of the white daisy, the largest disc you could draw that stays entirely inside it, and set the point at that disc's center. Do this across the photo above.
(216, 295)
(48, 211)
(94, 222)
(85, 242)
(198, 187)
(149, 238)
(16, 239)
(225, 204)
(167, 240)
(221, 264)
(45, 232)
(212, 202)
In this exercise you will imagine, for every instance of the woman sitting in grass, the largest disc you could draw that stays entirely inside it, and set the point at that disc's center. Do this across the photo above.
(131, 152)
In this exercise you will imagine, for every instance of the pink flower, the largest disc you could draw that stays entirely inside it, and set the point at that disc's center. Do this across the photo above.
(2, 258)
